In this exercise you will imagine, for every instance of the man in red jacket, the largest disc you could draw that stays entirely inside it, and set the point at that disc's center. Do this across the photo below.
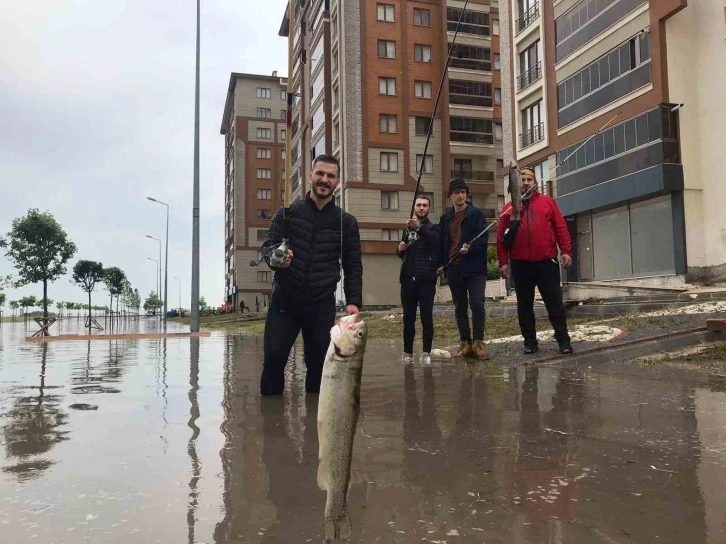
(533, 257)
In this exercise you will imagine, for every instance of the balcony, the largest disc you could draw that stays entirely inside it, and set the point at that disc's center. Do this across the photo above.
(470, 100)
(471, 137)
(471, 64)
(526, 19)
(529, 76)
(531, 136)
(474, 175)
(467, 28)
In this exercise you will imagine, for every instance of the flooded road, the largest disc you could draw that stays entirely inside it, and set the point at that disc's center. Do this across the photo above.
(168, 441)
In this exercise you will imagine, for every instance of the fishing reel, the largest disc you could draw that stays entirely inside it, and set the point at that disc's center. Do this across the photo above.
(278, 254)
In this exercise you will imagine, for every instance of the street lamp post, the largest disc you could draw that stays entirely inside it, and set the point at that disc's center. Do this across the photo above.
(194, 322)
(158, 276)
(180, 306)
(166, 254)
(159, 293)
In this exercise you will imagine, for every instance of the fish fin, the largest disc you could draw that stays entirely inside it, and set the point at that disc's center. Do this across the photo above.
(337, 530)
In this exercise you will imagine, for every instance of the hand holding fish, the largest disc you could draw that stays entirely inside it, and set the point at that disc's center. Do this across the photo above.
(352, 310)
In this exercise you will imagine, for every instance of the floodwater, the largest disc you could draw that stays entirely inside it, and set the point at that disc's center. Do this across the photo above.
(168, 441)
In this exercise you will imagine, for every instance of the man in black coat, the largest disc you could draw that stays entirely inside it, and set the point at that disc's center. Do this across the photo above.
(419, 252)
(467, 274)
(303, 291)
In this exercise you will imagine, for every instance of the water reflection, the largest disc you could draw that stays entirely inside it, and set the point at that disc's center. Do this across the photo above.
(196, 467)
(35, 425)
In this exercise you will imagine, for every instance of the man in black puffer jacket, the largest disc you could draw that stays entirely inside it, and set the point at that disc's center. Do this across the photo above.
(420, 255)
(303, 292)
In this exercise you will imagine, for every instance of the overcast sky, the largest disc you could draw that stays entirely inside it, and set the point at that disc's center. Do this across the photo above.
(97, 112)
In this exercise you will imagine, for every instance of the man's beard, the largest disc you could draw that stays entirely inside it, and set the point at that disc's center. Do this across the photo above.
(422, 215)
(320, 195)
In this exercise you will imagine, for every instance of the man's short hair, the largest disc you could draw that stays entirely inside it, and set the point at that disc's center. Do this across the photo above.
(424, 197)
(327, 159)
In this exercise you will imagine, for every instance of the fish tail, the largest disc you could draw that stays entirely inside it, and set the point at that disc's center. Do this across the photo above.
(336, 526)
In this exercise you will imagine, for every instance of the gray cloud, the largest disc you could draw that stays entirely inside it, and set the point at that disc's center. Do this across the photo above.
(97, 110)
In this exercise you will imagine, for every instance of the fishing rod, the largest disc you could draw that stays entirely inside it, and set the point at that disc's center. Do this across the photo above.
(549, 174)
(411, 235)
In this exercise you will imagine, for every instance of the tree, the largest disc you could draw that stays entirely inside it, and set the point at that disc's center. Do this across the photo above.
(27, 302)
(14, 306)
(492, 263)
(202, 303)
(39, 249)
(60, 306)
(114, 279)
(153, 302)
(2, 303)
(85, 276)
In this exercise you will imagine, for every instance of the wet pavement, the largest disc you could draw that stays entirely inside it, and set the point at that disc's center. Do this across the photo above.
(168, 441)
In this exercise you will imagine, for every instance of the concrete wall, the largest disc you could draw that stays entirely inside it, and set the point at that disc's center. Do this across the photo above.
(246, 101)
(495, 289)
(696, 58)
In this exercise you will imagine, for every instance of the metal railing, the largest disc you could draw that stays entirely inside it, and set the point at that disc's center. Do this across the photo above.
(471, 137)
(473, 175)
(530, 76)
(531, 136)
(527, 18)
(467, 28)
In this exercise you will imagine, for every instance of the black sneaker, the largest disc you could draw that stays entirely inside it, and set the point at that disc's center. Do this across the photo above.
(566, 348)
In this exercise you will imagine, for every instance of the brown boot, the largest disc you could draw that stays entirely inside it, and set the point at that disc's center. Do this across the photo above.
(465, 351)
(479, 351)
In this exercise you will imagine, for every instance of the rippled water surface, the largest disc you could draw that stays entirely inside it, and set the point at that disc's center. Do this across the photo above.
(168, 441)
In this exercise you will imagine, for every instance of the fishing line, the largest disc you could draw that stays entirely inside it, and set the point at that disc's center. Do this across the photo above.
(549, 175)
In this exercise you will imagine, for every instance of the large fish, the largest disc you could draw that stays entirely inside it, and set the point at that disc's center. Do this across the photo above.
(515, 190)
(338, 409)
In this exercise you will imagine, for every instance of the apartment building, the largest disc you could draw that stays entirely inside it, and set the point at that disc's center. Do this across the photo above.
(253, 126)
(365, 78)
(616, 103)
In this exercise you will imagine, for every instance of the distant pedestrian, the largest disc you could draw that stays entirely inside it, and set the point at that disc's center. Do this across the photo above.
(533, 257)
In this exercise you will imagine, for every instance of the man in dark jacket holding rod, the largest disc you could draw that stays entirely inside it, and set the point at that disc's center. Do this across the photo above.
(303, 292)
(533, 257)
(467, 274)
(419, 252)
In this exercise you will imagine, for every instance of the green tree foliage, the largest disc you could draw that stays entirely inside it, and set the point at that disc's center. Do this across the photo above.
(2, 303)
(492, 263)
(202, 303)
(14, 305)
(39, 249)
(152, 303)
(28, 302)
(85, 275)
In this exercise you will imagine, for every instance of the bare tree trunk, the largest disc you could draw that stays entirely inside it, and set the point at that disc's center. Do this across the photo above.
(45, 298)
(89, 312)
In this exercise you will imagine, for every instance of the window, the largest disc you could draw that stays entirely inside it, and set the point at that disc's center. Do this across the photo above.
(264, 213)
(422, 89)
(264, 153)
(386, 49)
(498, 97)
(264, 112)
(264, 194)
(386, 13)
(318, 118)
(428, 164)
(495, 27)
(468, 129)
(283, 134)
(472, 22)
(422, 125)
(264, 133)
(264, 93)
(497, 61)
(387, 85)
(264, 173)
(421, 17)
(471, 57)
(317, 86)
(422, 53)
(391, 234)
(389, 200)
(261, 235)
(283, 115)
(462, 167)
(264, 277)
(389, 162)
(531, 115)
(388, 123)
(497, 131)
(470, 93)
(283, 95)
(500, 165)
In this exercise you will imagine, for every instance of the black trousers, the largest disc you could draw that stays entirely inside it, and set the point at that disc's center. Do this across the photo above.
(468, 291)
(545, 275)
(285, 319)
(417, 293)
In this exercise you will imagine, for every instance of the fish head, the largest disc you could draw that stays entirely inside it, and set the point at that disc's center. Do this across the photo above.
(349, 337)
